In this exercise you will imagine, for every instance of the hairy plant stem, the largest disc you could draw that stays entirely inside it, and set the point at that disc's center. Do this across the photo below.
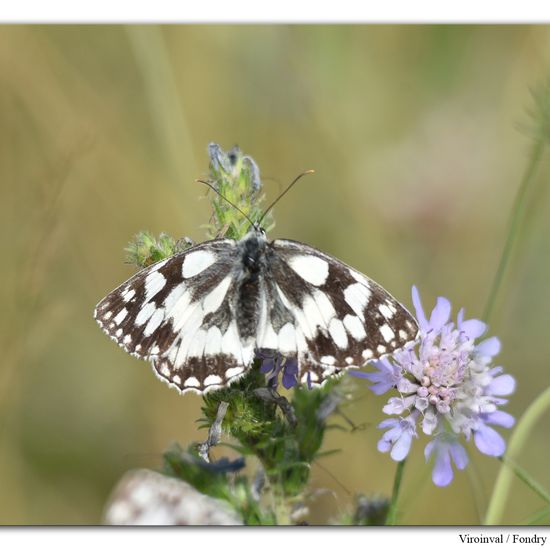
(392, 513)
(516, 217)
(504, 480)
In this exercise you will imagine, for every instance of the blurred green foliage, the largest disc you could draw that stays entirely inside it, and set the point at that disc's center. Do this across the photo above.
(415, 136)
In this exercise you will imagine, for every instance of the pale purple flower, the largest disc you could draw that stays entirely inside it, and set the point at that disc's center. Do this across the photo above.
(273, 364)
(447, 387)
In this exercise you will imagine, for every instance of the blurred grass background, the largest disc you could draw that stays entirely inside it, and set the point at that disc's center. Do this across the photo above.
(413, 133)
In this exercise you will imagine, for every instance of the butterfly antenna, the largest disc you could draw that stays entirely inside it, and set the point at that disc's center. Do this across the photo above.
(208, 184)
(307, 172)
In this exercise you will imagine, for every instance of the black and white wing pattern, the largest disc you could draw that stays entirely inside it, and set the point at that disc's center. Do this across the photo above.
(177, 315)
(327, 314)
(200, 316)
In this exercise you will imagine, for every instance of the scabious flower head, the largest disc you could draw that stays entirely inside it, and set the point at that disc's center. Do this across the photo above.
(447, 388)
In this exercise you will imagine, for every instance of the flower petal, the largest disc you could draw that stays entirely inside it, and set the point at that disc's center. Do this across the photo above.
(402, 446)
(442, 473)
(384, 379)
(359, 374)
(460, 317)
(383, 445)
(501, 385)
(489, 441)
(500, 418)
(420, 315)
(388, 423)
(267, 366)
(290, 372)
(440, 314)
(473, 328)
(309, 384)
(395, 405)
(459, 455)
(489, 347)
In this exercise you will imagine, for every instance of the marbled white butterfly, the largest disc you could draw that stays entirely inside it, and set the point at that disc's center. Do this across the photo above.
(200, 315)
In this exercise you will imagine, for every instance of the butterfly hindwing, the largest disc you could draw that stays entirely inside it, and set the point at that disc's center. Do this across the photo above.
(341, 317)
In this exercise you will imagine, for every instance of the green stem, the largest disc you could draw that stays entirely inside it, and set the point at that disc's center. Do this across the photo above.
(517, 442)
(538, 518)
(392, 512)
(514, 224)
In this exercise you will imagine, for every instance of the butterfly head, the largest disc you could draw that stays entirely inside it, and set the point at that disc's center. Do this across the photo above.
(252, 247)
(256, 231)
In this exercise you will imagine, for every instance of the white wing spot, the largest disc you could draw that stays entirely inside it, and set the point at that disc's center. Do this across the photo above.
(231, 342)
(213, 344)
(234, 371)
(154, 322)
(145, 313)
(248, 354)
(212, 379)
(119, 332)
(215, 297)
(355, 327)
(328, 370)
(367, 354)
(196, 262)
(385, 311)
(160, 264)
(287, 339)
(357, 296)
(176, 379)
(196, 347)
(172, 300)
(325, 306)
(268, 339)
(191, 382)
(181, 311)
(338, 333)
(360, 278)
(349, 360)
(154, 283)
(128, 294)
(312, 269)
(387, 333)
(164, 370)
(108, 315)
(402, 334)
(328, 360)
(120, 317)
(381, 349)
(154, 350)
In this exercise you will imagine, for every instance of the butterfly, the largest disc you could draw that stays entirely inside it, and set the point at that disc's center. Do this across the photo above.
(200, 316)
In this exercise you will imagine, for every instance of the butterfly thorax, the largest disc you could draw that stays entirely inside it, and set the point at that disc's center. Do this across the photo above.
(252, 251)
